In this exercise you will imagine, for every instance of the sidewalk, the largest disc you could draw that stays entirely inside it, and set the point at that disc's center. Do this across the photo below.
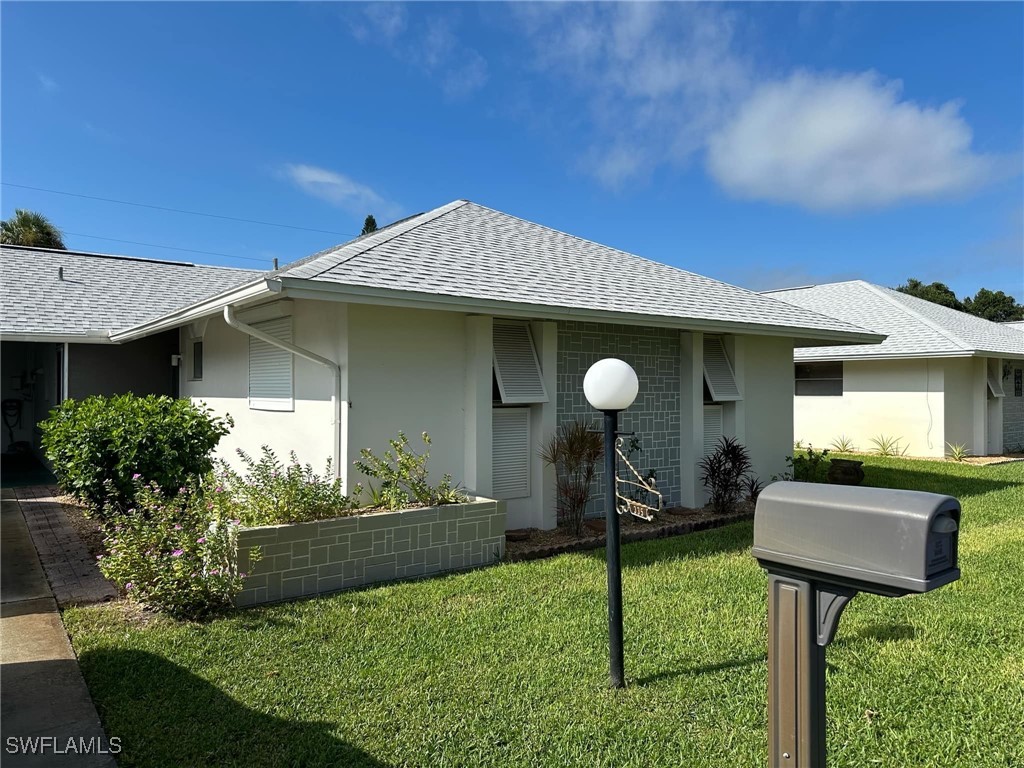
(42, 693)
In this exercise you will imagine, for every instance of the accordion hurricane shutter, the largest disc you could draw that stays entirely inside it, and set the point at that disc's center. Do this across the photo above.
(270, 368)
(718, 371)
(511, 453)
(516, 365)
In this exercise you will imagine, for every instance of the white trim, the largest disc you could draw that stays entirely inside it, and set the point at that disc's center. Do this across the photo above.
(995, 377)
(57, 338)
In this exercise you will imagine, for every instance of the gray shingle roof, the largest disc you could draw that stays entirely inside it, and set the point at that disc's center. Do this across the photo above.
(915, 327)
(99, 292)
(468, 251)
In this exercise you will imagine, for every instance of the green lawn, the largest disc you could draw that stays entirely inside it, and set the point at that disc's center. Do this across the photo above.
(507, 666)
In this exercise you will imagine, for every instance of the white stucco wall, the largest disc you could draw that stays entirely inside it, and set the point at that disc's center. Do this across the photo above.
(407, 371)
(896, 398)
(960, 379)
(318, 326)
(767, 408)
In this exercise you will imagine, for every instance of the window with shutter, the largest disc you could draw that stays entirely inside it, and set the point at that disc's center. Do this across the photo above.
(995, 378)
(718, 373)
(510, 459)
(270, 368)
(516, 366)
(713, 427)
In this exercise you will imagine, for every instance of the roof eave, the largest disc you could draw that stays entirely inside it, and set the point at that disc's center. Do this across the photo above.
(964, 353)
(88, 337)
(322, 289)
(239, 295)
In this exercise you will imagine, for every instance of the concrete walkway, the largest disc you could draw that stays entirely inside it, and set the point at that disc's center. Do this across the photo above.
(42, 693)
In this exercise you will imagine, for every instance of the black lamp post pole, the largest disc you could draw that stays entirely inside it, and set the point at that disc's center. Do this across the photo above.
(618, 675)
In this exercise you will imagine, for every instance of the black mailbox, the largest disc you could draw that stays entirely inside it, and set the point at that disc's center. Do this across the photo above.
(877, 540)
(821, 545)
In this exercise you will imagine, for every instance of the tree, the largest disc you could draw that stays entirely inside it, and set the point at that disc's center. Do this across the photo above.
(369, 225)
(937, 293)
(994, 305)
(30, 228)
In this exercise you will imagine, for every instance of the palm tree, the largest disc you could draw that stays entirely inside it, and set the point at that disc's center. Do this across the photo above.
(30, 228)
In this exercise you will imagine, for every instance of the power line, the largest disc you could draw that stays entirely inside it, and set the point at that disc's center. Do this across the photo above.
(178, 210)
(168, 247)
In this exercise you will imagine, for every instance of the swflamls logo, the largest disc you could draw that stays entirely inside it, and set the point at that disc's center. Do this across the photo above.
(52, 745)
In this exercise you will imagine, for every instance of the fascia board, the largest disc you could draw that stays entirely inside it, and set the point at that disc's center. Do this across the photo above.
(57, 338)
(321, 289)
(205, 308)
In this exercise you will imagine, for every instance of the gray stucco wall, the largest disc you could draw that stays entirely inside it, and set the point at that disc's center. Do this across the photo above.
(143, 367)
(1013, 410)
(654, 354)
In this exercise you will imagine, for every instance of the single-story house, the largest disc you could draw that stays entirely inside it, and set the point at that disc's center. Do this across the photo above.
(57, 311)
(940, 378)
(477, 327)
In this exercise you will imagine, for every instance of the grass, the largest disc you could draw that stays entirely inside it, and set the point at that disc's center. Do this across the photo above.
(507, 666)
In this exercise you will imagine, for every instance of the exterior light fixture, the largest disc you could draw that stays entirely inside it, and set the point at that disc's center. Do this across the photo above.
(611, 386)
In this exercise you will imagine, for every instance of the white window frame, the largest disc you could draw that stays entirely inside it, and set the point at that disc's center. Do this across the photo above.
(508, 395)
(262, 403)
(191, 359)
(840, 378)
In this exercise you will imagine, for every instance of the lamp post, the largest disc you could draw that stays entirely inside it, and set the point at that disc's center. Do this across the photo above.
(611, 386)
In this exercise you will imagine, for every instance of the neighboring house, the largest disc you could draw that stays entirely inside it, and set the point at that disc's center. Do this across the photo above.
(941, 377)
(478, 327)
(57, 310)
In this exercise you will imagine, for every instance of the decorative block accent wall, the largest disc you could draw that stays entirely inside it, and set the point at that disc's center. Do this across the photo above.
(654, 354)
(303, 559)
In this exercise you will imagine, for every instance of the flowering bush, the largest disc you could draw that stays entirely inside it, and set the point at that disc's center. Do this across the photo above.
(271, 493)
(175, 553)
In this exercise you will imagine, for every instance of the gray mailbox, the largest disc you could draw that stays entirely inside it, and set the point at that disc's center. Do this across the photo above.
(821, 545)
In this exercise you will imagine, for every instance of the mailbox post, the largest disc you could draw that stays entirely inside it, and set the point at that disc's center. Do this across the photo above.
(821, 545)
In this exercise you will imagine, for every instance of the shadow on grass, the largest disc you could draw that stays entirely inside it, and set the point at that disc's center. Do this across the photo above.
(933, 482)
(734, 537)
(704, 669)
(165, 715)
(878, 633)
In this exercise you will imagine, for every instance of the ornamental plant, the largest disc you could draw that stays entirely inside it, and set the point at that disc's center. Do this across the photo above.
(97, 445)
(723, 473)
(270, 492)
(175, 553)
(402, 477)
(573, 451)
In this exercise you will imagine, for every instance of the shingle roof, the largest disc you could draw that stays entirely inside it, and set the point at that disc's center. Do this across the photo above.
(468, 251)
(99, 292)
(915, 327)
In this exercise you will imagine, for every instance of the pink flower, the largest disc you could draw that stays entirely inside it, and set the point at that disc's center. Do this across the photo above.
(201, 540)
(128, 585)
(214, 571)
(177, 553)
(236, 522)
(99, 557)
(243, 575)
(219, 489)
(177, 527)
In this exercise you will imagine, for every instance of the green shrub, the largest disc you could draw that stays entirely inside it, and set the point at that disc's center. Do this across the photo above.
(573, 451)
(724, 472)
(806, 467)
(271, 493)
(888, 446)
(175, 552)
(99, 446)
(402, 475)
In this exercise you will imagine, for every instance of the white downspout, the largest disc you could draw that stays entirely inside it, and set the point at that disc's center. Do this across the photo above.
(333, 367)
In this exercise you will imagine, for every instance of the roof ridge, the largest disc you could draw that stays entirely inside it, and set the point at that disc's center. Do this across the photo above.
(884, 293)
(119, 257)
(385, 235)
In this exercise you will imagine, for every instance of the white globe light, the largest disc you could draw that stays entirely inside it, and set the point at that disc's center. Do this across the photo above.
(611, 385)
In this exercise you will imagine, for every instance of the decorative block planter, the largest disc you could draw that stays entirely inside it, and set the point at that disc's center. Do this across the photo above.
(302, 559)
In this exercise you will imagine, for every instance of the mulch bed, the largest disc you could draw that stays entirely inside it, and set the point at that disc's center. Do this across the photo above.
(88, 529)
(672, 522)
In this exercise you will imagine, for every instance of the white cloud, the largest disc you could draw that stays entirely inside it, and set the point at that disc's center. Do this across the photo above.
(838, 142)
(431, 46)
(340, 191)
(47, 83)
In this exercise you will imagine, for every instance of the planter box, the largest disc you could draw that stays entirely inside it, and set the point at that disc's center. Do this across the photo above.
(302, 559)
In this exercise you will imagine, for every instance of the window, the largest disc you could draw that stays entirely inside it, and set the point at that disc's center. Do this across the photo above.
(820, 379)
(516, 366)
(196, 360)
(718, 374)
(270, 368)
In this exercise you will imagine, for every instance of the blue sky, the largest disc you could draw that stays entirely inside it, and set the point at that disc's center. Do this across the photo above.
(767, 145)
